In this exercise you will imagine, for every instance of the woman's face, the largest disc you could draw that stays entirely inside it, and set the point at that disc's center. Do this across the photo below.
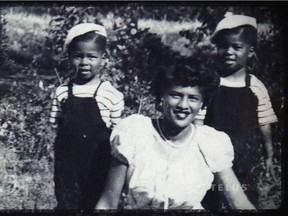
(181, 104)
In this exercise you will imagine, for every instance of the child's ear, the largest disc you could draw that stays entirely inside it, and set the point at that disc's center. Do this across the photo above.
(251, 52)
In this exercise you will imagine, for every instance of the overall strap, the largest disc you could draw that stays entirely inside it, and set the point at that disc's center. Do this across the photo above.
(70, 85)
(248, 80)
(95, 93)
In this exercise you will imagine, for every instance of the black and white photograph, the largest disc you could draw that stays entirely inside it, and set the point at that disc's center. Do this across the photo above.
(158, 107)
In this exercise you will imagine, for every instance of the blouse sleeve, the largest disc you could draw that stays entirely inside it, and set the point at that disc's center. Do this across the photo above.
(217, 149)
(123, 139)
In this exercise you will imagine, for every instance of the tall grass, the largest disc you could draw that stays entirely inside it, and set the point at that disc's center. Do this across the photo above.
(25, 184)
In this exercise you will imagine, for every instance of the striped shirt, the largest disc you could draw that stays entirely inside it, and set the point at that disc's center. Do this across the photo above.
(110, 101)
(265, 110)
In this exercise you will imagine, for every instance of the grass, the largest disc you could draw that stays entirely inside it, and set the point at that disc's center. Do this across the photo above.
(25, 184)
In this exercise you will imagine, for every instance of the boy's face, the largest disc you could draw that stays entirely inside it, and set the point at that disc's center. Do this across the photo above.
(85, 59)
(233, 53)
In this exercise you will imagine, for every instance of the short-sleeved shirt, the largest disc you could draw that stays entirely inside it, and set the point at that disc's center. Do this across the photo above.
(165, 176)
(110, 101)
(265, 110)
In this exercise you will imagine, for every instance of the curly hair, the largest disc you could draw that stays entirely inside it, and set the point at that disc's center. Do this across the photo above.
(99, 40)
(185, 72)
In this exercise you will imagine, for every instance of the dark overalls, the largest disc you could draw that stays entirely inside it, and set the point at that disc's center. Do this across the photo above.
(82, 153)
(234, 111)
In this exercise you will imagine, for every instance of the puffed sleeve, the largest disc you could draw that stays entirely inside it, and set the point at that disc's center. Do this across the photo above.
(216, 148)
(124, 137)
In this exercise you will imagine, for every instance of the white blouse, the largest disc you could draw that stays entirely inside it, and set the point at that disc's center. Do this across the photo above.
(165, 176)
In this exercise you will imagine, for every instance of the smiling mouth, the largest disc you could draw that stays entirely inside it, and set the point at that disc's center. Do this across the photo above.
(84, 71)
(181, 114)
(229, 61)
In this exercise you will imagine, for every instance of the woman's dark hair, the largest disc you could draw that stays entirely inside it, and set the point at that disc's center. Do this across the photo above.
(99, 40)
(185, 72)
(248, 33)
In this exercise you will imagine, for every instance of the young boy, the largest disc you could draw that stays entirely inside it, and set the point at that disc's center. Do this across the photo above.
(85, 109)
(241, 107)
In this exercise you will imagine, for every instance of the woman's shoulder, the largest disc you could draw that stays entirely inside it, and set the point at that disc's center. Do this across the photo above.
(135, 125)
(216, 147)
(133, 129)
(129, 136)
(134, 121)
(209, 137)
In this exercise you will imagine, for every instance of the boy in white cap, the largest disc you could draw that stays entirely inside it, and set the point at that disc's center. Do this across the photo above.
(85, 109)
(241, 106)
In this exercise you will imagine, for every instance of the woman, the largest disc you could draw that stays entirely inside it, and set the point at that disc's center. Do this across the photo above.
(168, 163)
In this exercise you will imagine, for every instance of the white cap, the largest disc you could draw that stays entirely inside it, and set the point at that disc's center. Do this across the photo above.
(232, 21)
(81, 29)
